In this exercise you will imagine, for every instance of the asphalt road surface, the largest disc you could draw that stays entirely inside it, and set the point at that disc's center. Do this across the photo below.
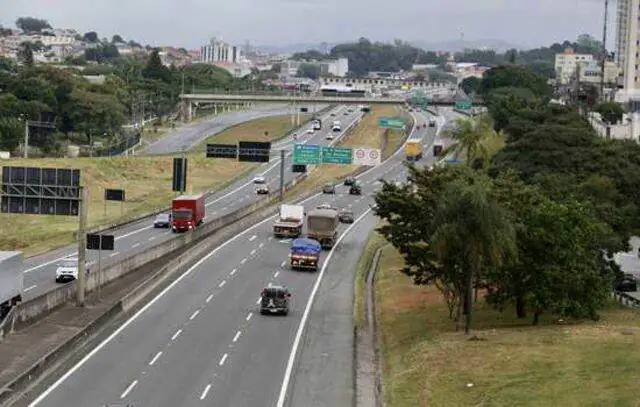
(136, 237)
(202, 341)
(189, 135)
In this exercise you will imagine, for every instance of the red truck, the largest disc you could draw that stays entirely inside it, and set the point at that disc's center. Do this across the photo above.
(187, 212)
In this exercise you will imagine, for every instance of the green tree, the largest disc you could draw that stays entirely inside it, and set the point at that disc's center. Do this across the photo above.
(96, 113)
(154, 69)
(25, 54)
(91, 37)
(514, 76)
(472, 232)
(117, 39)
(310, 71)
(611, 112)
(470, 85)
(469, 140)
(506, 103)
(30, 25)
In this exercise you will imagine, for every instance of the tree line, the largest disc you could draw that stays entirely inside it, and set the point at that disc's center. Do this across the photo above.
(530, 227)
(83, 112)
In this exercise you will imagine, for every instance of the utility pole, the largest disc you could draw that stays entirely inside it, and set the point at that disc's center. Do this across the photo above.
(82, 246)
(26, 137)
(604, 47)
(282, 154)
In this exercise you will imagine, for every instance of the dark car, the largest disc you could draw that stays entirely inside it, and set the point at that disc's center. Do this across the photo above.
(262, 190)
(163, 220)
(275, 300)
(349, 181)
(346, 216)
(355, 190)
(627, 283)
(432, 123)
(329, 189)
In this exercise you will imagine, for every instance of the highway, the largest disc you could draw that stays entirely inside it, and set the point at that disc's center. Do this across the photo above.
(202, 341)
(137, 236)
(187, 136)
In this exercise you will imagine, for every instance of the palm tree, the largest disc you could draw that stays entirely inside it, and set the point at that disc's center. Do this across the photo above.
(473, 233)
(473, 139)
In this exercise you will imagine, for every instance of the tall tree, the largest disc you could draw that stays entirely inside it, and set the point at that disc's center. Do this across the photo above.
(469, 140)
(154, 69)
(25, 54)
(30, 25)
(91, 37)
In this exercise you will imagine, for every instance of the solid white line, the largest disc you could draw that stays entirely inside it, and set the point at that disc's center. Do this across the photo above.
(259, 299)
(261, 245)
(29, 288)
(209, 298)
(235, 338)
(243, 261)
(131, 386)
(114, 254)
(284, 263)
(224, 208)
(205, 392)
(135, 245)
(276, 274)
(252, 238)
(223, 359)
(307, 310)
(233, 272)
(195, 314)
(249, 316)
(155, 358)
(152, 238)
(175, 335)
(252, 252)
(137, 315)
(222, 283)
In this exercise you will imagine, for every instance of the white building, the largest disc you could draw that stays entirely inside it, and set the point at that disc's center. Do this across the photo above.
(220, 51)
(591, 71)
(336, 67)
(567, 63)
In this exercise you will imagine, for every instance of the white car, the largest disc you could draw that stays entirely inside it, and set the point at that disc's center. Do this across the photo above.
(259, 180)
(68, 269)
(329, 136)
(310, 131)
(336, 129)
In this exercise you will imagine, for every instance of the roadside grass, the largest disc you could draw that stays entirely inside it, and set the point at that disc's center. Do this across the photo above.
(366, 134)
(147, 185)
(428, 363)
(374, 242)
(276, 127)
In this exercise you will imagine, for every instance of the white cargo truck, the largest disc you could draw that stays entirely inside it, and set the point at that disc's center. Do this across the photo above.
(290, 221)
(11, 277)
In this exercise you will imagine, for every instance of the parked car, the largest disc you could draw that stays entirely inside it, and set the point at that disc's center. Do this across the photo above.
(346, 216)
(329, 189)
(274, 300)
(163, 220)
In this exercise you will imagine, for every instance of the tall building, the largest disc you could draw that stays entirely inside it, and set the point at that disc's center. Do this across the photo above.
(567, 63)
(628, 44)
(219, 51)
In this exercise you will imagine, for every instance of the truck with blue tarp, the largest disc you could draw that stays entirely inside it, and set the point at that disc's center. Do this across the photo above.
(305, 254)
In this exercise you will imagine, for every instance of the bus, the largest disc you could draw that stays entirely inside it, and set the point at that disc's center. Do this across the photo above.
(342, 92)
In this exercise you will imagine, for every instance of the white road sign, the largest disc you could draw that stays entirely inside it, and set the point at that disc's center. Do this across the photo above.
(366, 156)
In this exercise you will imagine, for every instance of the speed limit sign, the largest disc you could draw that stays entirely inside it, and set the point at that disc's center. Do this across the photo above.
(360, 153)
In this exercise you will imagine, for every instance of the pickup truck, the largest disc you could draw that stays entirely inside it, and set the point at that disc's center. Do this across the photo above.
(305, 254)
(290, 221)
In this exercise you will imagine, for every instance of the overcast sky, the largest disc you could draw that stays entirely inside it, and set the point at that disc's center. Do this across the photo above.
(191, 23)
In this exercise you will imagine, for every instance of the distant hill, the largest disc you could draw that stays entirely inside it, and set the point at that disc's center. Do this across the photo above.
(449, 46)
(460, 45)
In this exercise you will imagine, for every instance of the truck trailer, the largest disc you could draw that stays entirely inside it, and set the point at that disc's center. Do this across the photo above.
(305, 254)
(413, 150)
(290, 221)
(187, 212)
(322, 226)
(11, 280)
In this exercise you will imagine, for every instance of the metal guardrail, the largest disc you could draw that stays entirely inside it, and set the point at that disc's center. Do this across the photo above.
(626, 299)
(127, 143)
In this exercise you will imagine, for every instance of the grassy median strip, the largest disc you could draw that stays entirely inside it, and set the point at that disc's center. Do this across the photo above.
(146, 181)
(427, 363)
(374, 242)
(366, 134)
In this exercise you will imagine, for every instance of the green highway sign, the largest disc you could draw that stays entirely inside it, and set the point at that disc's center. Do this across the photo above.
(337, 155)
(463, 104)
(391, 123)
(306, 154)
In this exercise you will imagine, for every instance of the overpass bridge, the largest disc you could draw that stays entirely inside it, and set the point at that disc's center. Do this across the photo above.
(189, 100)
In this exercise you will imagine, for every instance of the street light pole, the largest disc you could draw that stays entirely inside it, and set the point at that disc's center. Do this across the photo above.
(26, 137)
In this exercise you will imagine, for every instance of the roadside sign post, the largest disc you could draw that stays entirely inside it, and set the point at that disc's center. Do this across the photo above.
(99, 243)
(391, 123)
(306, 154)
(337, 155)
(82, 243)
(463, 104)
(114, 195)
(282, 155)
